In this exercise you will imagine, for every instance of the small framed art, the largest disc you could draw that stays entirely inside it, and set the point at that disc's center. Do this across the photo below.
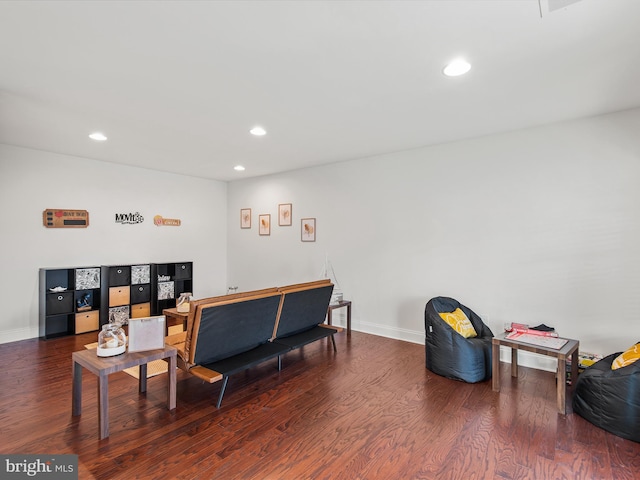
(245, 218)
(284, 214)
(146, 333)
(308, 229)
(265, 224)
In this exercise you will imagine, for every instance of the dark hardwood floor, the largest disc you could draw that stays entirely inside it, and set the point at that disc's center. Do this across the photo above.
(369, 411)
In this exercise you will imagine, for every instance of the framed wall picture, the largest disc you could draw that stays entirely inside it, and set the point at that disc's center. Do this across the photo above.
(284, 214)
(265, 224)
(245, 218)
(308, 229)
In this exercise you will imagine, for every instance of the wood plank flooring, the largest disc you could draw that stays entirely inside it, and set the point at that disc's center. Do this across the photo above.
(369, 411)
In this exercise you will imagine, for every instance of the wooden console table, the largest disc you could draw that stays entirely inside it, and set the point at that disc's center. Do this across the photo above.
(570, 349)
(340, 304)
(104, 366)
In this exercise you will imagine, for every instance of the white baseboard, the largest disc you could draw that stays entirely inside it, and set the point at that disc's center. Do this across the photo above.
(525, 359)
(18, 334)
(390, 332)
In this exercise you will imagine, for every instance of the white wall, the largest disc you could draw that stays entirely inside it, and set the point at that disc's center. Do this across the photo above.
(535, 226)
(539, 225)
(32, 181)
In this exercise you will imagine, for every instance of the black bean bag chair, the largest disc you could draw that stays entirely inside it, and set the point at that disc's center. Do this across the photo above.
(610, 399)
(448, 353)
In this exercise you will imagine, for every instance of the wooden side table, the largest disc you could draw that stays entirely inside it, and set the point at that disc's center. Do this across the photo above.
(340, 304)
(569, 350)
(176, 316)
(104, 366)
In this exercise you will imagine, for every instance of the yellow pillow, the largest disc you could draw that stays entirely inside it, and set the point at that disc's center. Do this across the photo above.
(627, 358)
(460, 323)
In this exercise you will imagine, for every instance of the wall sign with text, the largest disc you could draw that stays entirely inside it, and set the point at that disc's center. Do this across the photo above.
(129, 218)
(167, 222)
(56, 218)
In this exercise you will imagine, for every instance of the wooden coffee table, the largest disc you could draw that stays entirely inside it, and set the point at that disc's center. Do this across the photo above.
(104, 366)
(569, 349)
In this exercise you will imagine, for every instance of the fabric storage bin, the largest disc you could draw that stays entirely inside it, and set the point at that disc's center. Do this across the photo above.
(166, 291)
(60, 302)
(183, 271)
(119, 314)
(141, 310)
(87, 321)
(87, 278)
(119, 296)
(140, 274)
(119, 276)
(140, 293)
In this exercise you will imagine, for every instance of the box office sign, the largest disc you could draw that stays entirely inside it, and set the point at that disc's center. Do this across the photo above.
(57, 218)
(52, 467)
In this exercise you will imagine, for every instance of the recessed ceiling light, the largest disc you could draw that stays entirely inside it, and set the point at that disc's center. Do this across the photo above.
(100, 137)
(456, 67)
(239, 168)
(258, 131)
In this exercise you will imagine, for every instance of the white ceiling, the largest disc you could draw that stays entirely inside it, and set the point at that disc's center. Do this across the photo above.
(177, 85)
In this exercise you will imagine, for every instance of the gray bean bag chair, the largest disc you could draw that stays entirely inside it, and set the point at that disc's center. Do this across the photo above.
(448, 353)
(610, 399)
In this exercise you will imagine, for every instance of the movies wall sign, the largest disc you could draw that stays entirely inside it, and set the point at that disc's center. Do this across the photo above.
(129, 218)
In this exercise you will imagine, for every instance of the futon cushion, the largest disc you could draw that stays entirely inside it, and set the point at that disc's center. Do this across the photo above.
(228, 329)
(627, 357)
(303, 310)
(459, 322)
